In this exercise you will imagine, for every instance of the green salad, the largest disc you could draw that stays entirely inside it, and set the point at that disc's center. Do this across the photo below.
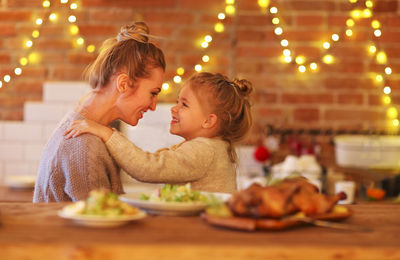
(100, 203)
(177, 193)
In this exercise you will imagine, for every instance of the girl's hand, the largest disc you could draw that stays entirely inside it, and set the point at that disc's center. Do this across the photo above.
(79, 127)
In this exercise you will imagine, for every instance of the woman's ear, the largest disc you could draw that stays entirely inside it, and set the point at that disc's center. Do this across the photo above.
(123, 82)
(210, 122)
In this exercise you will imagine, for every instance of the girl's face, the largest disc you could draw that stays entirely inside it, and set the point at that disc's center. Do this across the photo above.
(187, 115)
(138, 99)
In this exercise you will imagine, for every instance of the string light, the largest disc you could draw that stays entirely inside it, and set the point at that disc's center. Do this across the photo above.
(378, 33)
(73, 6)
(7, 78)
(46, 4)
(387, 90)
(221, 16)
(205, 58)
(177, 79)
(180, 71)
(198, 67)
(388, 70)
(165, 86)
(18, 71)
(219, 27)
(53, 17)
(72, 18)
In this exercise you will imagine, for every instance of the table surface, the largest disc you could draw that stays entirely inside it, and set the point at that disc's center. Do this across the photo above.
(34, 231)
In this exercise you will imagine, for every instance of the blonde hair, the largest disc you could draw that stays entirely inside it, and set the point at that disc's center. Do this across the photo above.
(229, 100)
(130, 51)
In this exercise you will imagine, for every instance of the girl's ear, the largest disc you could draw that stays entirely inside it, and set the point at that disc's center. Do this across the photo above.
(123, 83)
(210, 122)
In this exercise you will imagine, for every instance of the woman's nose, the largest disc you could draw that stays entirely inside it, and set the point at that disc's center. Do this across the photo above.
(153, 104)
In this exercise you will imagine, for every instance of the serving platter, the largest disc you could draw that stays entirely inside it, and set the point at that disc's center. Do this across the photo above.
(101, 221)
(168, 208)
(253, 224)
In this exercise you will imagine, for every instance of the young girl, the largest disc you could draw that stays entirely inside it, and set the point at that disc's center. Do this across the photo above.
(212, 113)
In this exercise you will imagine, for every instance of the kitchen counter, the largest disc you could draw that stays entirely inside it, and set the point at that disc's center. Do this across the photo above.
(34, 231)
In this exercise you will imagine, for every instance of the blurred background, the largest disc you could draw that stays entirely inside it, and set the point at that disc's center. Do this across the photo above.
(319, 68)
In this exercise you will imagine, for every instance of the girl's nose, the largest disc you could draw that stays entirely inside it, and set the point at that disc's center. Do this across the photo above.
(173, 108)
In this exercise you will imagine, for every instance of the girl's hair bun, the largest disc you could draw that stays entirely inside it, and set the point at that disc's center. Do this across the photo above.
(245, 87)
(138, 31)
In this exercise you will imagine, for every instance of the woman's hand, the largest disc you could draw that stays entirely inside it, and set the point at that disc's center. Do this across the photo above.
(79, 127)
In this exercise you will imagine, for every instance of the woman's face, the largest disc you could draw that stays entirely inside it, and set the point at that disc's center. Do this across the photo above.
(141, 97)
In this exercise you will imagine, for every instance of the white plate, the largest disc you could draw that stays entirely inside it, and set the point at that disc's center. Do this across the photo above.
(20, 181)
(169, 208)
(102, 221)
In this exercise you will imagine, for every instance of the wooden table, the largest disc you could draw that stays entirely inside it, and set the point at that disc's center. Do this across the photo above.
(34, 231)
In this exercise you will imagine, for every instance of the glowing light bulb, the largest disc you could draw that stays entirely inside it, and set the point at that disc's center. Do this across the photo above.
(73, 6)
(302, 68)
(278, 31)
(165, 86)
(204, 44)
(326, 45)
(23, 61)
(313, 66)
(39, 21)
(208, 38)
(53, 17)
(369, 4)
(286, 52)
(28, 43)
(349, 32)
(375, 24)
(72, 18)
(387, 90)
(275, 20)
(284, 43)
(46, 4)
(263, 3)
(378, 33)
(379, 78)
(73, 29)
(198, 68)
(388, 70)
(381, 57)
(33, 58)
(392, 112)
(7, 78)
(335, 37)
(1, 84)
(386, 100)
(273, 10)
(221, 16)
(35, 34)
(219, 27)
(350, 22)
(64, 1)
(300, 60)
(328, 59)
(372, 49)
(180, 71)
(230, 2)
(90, 48)
(205, 58)
(367, 13)
(353, 1)
(288, 59)
(356, 14)
(230, 10)
(395, 122)
(177, 79)
(80, 41)
(18, 71)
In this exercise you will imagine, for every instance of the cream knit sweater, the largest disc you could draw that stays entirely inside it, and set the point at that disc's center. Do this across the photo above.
(203, 162)
(69, 169)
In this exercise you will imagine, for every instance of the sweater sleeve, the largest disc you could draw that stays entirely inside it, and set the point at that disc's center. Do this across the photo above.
(84, 167)
(186, 162)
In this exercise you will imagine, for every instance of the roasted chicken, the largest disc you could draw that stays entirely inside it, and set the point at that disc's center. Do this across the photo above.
(288, 197)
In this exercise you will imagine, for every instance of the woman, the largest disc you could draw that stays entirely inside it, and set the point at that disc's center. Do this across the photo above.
(126, 78)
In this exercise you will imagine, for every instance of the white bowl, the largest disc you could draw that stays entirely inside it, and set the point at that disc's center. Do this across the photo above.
(368, 151)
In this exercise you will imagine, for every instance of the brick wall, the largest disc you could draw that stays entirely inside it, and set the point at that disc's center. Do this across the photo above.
(340, 96)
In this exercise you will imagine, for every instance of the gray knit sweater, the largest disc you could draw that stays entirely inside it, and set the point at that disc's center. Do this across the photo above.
(204, 162)
(69, 169)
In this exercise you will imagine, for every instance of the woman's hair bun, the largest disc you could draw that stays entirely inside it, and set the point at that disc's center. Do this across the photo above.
(244, 86)
(138, 31)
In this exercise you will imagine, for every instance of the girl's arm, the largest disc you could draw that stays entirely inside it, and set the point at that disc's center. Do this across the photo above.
(79, 127)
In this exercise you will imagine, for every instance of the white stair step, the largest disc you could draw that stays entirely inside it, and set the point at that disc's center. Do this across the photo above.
(45, 112)
(64, 91)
